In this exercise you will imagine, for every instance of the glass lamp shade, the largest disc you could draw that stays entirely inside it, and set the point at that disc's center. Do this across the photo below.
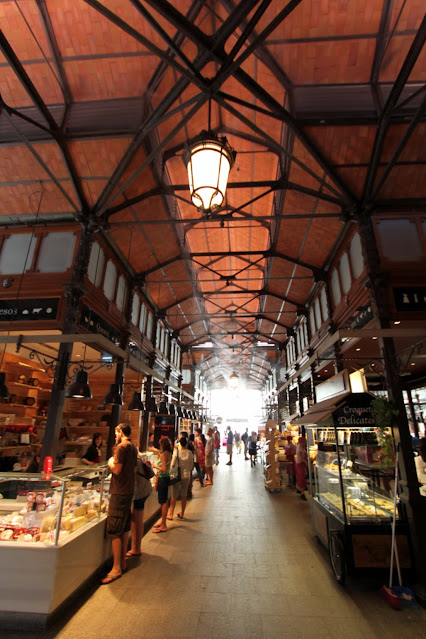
(4, 391)
(136, 403)
(113, 395)
(234, 380)
(80, 388)
(208, 160)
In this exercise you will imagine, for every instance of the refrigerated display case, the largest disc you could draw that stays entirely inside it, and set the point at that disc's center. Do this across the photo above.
(51, 541)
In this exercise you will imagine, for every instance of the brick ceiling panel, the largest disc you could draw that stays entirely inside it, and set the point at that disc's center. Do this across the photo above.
(93, 188)
(354, 178)
(306, 170)
(98, 158)
(415, 149)
(83, 30)
(311, 18)
(344, 144)
(327, 62)
(24, 199)
(14, 19)
(106, 78)
(319, 240)
(395, 55)
(41, 75)
(297, 203)
(403, 181)
(18, 163)
(282, 270)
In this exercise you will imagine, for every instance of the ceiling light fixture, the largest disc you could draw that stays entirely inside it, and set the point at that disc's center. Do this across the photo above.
(208, 159)
(114, 395)
(234, 381)
(80, 388)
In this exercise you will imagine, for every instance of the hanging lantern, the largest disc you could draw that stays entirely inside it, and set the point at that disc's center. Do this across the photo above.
(208, 160)
(234, 381)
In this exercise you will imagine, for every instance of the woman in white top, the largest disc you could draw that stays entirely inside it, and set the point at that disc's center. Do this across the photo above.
(186, 463)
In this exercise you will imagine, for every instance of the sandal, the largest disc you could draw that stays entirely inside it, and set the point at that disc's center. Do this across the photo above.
(109, 579)
(129, 553)
(180, 515)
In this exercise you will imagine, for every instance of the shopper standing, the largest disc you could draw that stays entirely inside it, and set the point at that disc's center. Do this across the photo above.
(209, 457)
(216, 446)
(163, 482)
(186, 463)
(229, 443)
(123, 468)
(244, 439)
(301, 467)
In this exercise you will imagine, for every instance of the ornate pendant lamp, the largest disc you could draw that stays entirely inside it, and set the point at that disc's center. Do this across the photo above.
(234, 381)
(80, 388)
(208, 159)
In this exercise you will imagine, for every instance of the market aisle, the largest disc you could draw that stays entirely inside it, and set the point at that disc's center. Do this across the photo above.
(244, 564)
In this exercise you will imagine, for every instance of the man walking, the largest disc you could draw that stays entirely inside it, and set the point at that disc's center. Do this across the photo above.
(229, 442)
(244, 438)
(209, 457)
(123, 468)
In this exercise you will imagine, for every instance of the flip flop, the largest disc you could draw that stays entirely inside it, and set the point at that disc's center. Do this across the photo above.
(169, 518)
(158, 530)
(180, 515)
(109, 579)
(129, 553)
(156, 525)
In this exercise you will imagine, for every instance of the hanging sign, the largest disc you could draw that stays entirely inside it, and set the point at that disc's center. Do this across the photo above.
(95, 324)
(28, 310)
(356, 411)
(410, 298)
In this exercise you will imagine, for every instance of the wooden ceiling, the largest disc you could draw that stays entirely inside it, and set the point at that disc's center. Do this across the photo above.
(323, 101)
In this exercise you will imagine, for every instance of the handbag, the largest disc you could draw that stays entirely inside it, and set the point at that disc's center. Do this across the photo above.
(147, 470)
(174, 473)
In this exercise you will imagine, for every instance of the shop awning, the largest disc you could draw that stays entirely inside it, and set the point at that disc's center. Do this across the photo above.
(320, 411)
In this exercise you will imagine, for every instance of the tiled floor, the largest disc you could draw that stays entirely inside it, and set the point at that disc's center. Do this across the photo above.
(244, 564)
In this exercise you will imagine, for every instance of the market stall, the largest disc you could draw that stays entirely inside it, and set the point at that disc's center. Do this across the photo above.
(352, 507)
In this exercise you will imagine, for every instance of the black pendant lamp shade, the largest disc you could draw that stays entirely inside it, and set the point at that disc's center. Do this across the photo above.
(152, 405)
(136, 403)
(163, 409)
(114, 396)
(80, 388)
(179, 411)
(4, 391)
(172, 409)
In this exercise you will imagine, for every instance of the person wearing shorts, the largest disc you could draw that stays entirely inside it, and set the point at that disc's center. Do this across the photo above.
(143, 490)
(163, 482)
(186, 463)
(209, 457)
(123, 468)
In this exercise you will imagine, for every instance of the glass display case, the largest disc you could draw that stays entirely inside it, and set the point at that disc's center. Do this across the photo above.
(47, 511)
(348, 494)
(352, 499)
